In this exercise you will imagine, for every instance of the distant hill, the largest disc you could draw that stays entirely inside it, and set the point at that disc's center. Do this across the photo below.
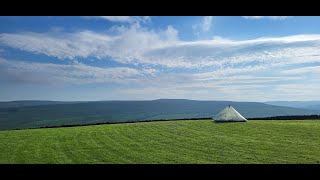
(70, 113)
(313, 105)
(13, 104)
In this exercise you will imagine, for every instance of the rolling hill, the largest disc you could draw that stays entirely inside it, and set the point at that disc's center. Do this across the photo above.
(312, 105)
(162, 142)
(123, 111)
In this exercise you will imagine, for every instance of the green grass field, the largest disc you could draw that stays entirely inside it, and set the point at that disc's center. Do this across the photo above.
(198, 141)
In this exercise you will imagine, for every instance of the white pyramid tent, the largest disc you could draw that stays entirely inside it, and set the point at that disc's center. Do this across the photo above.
(229, 114)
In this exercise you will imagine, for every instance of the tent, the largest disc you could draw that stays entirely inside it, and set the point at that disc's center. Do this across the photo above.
(229, 114)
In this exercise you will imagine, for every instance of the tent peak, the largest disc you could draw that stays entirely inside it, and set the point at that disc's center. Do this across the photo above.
(229, 114)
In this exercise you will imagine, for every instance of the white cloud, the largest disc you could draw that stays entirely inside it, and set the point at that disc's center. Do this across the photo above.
(64, 46)
(221, 73)
(228, 88)
(136, 45)
(166, 67)
(217, 68)
(303, 70)
(221, 52)
(127, 19)
(47, 73)
(117, 18)
(171, 34)
(231, 83)
(198, 92)
(152, 72)
(206, 23)
(203, 26)
(266, 17)
(126, 47)
(299, 89)
(148, 83)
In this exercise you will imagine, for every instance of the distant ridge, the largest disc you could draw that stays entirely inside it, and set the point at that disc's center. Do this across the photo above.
(24, 103)
(30, 114)
(312, 105)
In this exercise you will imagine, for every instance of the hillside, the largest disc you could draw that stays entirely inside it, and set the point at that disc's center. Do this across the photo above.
(312, 105)
(124, 111)
(197, 141)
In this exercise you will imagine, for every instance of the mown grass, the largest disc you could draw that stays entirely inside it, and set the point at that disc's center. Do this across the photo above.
(197, 141)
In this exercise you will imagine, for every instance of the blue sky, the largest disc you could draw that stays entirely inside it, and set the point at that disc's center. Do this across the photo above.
(238, 58)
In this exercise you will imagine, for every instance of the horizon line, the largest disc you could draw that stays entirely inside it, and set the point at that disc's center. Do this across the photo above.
(151, 100)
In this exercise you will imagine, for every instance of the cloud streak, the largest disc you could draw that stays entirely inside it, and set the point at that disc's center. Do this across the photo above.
(48, 73)
(136, 45)
(303, 70)
(266, 17)
(127, 19)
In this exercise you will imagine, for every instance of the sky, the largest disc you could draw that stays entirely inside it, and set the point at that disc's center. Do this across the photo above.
(91, 58)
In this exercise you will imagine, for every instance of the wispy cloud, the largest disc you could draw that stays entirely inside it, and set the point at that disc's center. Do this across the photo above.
(202, 91)
(147, 83)
(149, 63)
(127, 19)
(127, 46)
(203, 26)
(206, 24)
(165, 66)
(302, 90)
(48, 73)
(136, 45)
(266, 17)
(313, 69)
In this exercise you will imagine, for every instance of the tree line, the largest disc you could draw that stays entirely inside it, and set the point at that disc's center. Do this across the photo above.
(297, 117)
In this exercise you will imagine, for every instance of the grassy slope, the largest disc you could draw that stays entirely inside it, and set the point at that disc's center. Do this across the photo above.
(167, 142)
